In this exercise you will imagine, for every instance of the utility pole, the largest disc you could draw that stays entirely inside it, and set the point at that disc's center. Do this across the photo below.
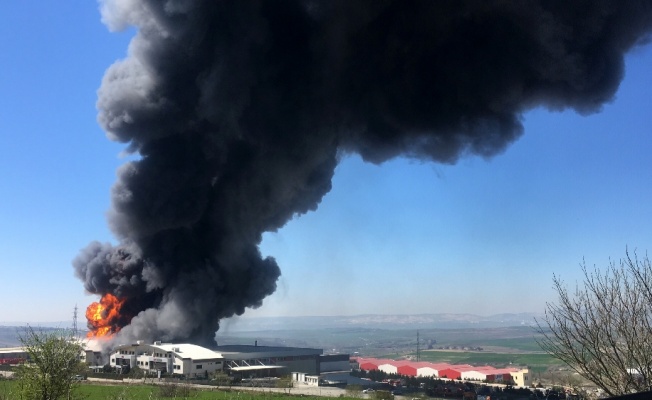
(418, 353)
(74, 322)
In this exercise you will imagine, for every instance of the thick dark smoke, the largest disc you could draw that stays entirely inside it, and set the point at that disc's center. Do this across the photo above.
(239, 111)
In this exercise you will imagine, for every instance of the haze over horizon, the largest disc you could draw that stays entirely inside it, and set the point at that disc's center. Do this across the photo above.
(483, 236)
(509, 319)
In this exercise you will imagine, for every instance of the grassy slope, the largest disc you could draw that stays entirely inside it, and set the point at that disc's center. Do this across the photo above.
(87, 391)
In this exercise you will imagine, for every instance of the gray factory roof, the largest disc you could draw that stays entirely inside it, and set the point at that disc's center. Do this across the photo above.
(228, 352)
(240, 348)
(256, 367)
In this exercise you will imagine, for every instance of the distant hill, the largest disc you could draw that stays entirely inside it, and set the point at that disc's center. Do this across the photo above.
(49, 324)
(9, 334)
(256, 325)
(381, 321)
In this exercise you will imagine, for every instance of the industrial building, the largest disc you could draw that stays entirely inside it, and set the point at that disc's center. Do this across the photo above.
(13, 355)
(181, 359)
(442, 370)
(243, 361)
(421, 369)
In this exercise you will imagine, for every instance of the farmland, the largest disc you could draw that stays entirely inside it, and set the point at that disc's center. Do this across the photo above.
(536, 362)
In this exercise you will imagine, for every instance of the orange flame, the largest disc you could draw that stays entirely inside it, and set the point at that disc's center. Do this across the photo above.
(103, 316)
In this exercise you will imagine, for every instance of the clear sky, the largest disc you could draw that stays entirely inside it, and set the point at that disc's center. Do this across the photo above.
(482, 236)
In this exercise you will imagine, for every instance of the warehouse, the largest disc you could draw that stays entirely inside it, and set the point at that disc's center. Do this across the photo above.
(480, 374)
(391, 367)
(370, 364)
(443, 370)
(13, 355)
(454, 371)
(422, 369)
(252, 361)
(237, 360)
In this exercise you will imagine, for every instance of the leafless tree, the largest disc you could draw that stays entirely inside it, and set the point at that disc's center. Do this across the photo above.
(603, 329)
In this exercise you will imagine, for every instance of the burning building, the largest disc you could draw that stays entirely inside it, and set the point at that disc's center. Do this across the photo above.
(238, 113)
(104, 317)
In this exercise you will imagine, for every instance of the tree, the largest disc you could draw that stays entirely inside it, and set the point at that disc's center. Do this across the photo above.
(53, 364)
(603, 329)
(221, 378)
(286, 383)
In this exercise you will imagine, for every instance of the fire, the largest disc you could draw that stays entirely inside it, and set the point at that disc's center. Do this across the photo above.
(103, 317)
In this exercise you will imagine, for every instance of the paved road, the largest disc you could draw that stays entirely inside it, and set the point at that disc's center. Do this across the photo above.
(297, 389)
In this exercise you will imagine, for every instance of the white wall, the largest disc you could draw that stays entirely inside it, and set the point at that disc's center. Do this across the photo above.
(427, 371)
(388, 368)
(474, 375)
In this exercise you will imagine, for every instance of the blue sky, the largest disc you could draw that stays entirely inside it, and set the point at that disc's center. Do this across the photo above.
(482, 236)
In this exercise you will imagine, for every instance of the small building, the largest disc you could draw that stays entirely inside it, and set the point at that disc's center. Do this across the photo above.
(302, 377)
(92, 358)
(521, 377)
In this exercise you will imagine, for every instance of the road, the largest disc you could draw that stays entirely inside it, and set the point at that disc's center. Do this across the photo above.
(297, 389)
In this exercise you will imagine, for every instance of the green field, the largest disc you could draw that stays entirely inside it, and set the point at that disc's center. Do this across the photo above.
(92, 391)
(522, 343)
(536, 362)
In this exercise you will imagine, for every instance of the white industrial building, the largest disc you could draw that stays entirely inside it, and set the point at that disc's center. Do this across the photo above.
(480, 374)
(430, 370)
(391, 367)
(182, 359)
(237, 360)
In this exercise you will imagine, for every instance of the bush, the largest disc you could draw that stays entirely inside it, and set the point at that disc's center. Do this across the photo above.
(354, 391)
(173, 390)
(382, 395)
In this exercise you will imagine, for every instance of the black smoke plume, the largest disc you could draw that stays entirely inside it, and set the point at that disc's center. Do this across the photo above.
(239, 110)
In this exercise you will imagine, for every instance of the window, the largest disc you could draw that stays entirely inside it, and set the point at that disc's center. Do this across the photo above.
(198, 366)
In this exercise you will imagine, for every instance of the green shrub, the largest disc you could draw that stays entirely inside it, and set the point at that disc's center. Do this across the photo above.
(382, 395)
